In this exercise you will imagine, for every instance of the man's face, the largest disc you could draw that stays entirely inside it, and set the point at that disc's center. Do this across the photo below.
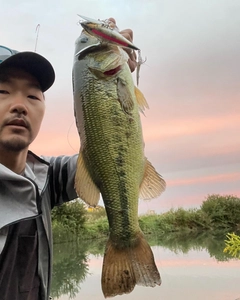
(22, 108)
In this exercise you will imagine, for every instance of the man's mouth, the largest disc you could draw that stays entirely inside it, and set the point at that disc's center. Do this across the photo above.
(18, 122)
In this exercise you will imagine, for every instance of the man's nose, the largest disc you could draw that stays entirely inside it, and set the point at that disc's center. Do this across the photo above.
(19, 105)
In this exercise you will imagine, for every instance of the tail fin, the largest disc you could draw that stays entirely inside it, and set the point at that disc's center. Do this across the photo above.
(124, 268)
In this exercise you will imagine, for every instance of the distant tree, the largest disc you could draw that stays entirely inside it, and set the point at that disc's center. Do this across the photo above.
(224, 211)
(71, 216)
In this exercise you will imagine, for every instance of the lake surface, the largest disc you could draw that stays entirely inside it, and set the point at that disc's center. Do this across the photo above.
(191, 268)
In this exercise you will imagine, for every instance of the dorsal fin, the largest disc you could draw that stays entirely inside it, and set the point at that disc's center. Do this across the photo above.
(153, 184)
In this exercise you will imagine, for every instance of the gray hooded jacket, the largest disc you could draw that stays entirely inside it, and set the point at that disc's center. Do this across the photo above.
(47, 182)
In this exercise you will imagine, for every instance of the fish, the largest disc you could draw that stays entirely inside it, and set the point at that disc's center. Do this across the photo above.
(111, 161)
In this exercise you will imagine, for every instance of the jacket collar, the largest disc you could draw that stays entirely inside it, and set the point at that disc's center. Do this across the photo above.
(18, 193)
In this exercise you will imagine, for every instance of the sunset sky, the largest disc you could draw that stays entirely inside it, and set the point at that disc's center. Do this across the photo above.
(191, 80)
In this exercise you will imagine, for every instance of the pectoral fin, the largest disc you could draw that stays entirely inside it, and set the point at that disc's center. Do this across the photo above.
(153, 184)
(84, 185)
(124, 96)
(141, 101)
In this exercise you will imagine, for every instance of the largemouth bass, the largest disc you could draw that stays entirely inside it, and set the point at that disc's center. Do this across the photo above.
(112, 161)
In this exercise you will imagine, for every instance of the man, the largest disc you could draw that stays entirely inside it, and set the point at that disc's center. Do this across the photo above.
(30, 186)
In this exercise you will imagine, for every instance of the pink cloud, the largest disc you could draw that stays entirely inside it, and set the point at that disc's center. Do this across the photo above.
(53, 144)
(218, 178)
(168, 129)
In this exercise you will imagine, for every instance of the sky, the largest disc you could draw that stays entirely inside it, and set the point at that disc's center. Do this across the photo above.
(191, 80)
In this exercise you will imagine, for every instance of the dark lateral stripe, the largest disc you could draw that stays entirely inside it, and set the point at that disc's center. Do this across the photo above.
(124, 208)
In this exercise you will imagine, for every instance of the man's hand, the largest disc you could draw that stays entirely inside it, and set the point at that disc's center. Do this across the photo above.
(128, 34)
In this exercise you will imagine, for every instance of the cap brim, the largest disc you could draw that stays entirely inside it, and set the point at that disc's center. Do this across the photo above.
(35, 64)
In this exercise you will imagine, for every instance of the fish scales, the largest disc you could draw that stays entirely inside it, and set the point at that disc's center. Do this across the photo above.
(112, 162)
(113, 152)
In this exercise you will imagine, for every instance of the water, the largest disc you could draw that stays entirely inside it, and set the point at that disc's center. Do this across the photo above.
(191, 268)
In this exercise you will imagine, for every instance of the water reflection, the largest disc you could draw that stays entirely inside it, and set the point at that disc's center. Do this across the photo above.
(70, 267)
(213, 244)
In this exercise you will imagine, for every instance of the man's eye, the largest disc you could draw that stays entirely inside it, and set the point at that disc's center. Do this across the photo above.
(4, 92)
(33, 97)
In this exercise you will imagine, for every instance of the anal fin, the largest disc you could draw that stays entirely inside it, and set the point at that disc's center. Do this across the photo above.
(84, 185)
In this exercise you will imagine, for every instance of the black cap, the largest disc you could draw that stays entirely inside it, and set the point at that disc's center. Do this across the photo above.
(31, 62)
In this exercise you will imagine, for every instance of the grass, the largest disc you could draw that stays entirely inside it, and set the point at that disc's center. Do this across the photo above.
(216, 214)
(232, 244)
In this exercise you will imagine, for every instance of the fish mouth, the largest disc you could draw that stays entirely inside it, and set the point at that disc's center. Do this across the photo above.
(88, 49)
(87, 44)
